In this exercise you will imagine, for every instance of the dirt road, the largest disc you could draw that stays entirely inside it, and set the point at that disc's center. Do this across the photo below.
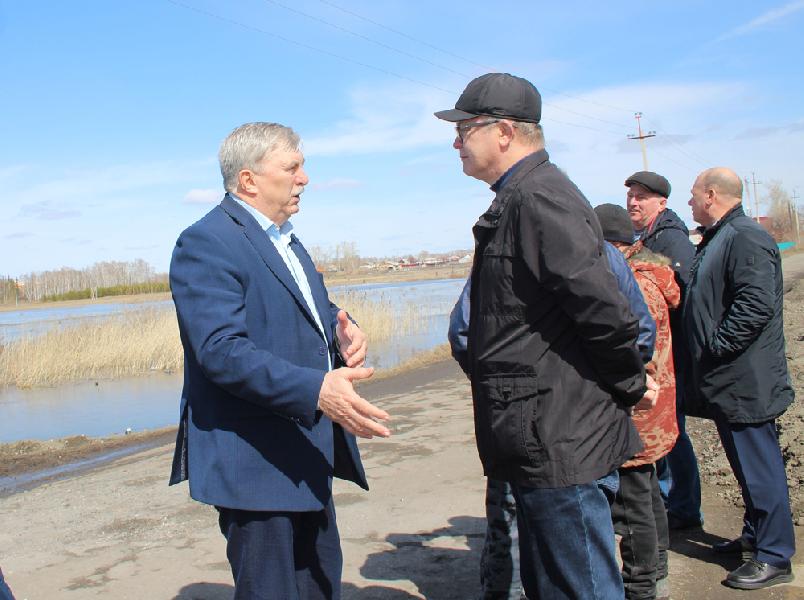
(119, 532)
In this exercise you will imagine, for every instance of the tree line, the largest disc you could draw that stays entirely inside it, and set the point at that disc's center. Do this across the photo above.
(103, 278)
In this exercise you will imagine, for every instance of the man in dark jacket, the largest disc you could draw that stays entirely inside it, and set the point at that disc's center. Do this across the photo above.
(499, 559)
(662, 231)
(551, 346)
(737, 370)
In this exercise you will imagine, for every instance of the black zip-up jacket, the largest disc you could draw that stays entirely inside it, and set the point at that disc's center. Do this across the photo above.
(733, 325)
(552, 343)
(670, 237)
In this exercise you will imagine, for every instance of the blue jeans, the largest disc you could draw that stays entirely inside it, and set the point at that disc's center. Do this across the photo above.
(679, 480)
(5, 591)
(499, 561)
(566, 541)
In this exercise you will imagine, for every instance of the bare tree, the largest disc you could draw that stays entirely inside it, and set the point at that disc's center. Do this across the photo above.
(780, 209)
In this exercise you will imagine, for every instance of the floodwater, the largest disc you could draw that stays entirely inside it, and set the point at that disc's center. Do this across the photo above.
(105, 407)
(16, 323)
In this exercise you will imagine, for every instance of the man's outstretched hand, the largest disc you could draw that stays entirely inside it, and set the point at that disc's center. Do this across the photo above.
(340, 402)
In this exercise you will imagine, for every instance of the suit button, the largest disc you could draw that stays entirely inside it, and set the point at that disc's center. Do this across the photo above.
(322, 351)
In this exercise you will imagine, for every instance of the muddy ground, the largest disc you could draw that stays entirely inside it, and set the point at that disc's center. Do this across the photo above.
(117, 531)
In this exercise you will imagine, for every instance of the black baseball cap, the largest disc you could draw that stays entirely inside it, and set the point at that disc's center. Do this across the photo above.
(615, 223)
(652, 181)
(497, 95)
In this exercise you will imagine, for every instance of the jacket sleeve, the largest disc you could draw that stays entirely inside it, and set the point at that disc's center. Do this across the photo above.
(750, 283)
(458, 331)
(676, 245)
(207, 286)
(630, 289)
(561, 245)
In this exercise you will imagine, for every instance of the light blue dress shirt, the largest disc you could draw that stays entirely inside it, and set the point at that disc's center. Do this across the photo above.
(280, 238)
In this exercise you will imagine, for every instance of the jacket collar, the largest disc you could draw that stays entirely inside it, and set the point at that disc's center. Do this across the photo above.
(710, 232)
(258, 238)
(509, 181)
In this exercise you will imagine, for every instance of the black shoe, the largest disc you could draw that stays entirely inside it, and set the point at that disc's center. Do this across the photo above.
(738, 546)
(674, 522)
(754, 575)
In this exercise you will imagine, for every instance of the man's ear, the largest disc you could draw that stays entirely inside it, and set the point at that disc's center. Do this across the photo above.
(245, 180)
(506, 133)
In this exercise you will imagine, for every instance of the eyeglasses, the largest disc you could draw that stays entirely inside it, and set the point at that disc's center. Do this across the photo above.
(462, 128)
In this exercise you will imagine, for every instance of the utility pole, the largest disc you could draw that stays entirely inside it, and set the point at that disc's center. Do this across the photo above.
(794, 220)
(641, 137)
(748, 193)
(756, 198)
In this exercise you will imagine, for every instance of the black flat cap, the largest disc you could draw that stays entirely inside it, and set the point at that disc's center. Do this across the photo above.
(497, 95)
(615, 223)
(652, 181)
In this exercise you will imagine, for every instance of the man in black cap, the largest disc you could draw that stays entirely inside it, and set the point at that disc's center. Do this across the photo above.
(662, 231)
(551, 346)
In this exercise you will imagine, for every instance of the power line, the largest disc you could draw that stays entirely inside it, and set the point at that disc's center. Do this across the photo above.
(392, 48)
(414, 56)
(308, 47)
(691, 155)
(365, 37)
(405, 35)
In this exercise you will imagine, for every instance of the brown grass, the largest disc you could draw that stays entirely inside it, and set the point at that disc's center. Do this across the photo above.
(144, 340)
(132, 343)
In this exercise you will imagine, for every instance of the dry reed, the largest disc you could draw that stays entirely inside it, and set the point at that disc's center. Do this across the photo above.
(144, 340)
(130, 343)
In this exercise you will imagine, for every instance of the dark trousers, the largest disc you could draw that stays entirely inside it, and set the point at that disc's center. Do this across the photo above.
(639, 517)
(756, 459)
(566, 542)
(283, 555)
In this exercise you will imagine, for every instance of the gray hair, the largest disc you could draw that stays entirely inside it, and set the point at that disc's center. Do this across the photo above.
(248, 144)
(531, 132)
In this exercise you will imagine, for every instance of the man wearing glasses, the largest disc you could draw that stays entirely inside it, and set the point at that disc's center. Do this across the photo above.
(551, 349)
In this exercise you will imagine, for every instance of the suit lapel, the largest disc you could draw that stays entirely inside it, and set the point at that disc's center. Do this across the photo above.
(267, 251)
(316, 287)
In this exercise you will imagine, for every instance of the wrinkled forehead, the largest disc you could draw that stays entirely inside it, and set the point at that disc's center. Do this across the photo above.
(637, 190)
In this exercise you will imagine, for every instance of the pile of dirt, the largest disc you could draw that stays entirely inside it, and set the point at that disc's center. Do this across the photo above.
(715, 470)
(31, 455)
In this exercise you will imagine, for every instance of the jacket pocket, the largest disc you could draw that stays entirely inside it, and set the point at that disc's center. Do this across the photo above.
(511, 407)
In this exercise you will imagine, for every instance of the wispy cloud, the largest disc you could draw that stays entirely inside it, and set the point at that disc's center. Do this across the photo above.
(11, 171)
(46, 211)
(389, 119)
(764, 19)
(78, 185)
(18, 235)
(203, 196)
(338, 183)
(761, 132)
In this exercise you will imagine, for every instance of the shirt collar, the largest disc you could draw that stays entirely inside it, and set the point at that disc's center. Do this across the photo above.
(497, 185)
(274, 232)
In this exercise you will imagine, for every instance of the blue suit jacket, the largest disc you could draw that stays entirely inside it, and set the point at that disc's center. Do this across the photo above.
(250, 436)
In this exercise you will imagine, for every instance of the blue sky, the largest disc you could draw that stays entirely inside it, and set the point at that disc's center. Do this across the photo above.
(111, 113)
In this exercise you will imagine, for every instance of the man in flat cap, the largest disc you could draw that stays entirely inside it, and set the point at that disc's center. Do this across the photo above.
(662, 231)
(551, 346)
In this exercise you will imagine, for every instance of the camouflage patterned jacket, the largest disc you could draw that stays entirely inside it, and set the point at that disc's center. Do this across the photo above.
(657, 427)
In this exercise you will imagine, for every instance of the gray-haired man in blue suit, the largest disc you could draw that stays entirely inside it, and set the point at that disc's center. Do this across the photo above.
(269, 413)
